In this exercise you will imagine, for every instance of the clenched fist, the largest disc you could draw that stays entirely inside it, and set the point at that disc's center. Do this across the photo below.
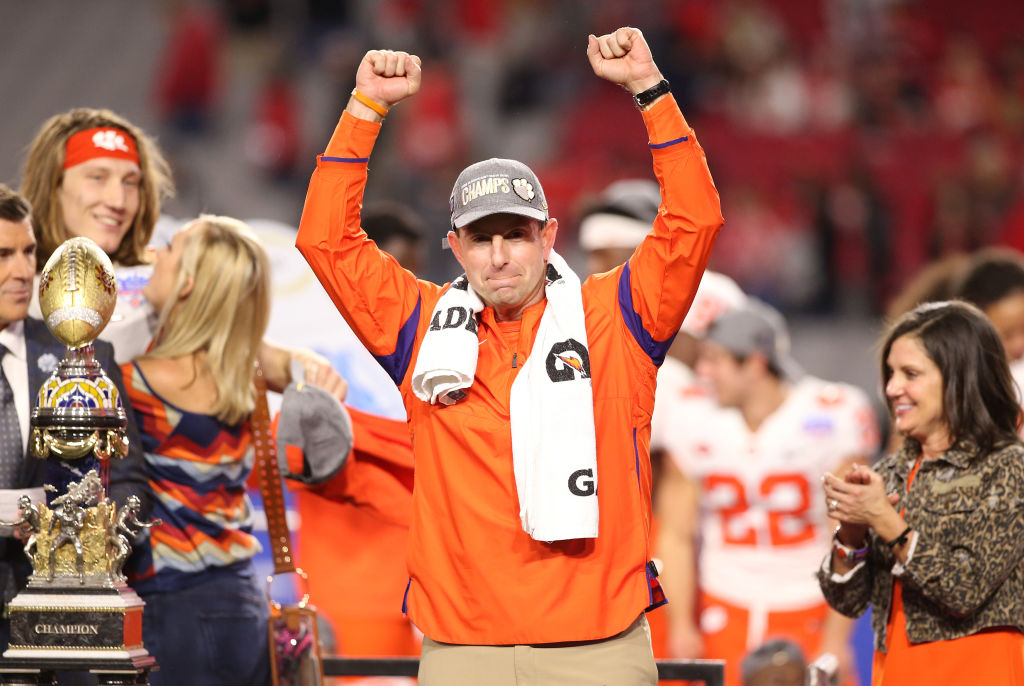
(388, 76)
(623, 57)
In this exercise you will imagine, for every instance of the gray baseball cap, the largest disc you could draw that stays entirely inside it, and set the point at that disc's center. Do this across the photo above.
(314, 434)
(496, 186)
(756, 327)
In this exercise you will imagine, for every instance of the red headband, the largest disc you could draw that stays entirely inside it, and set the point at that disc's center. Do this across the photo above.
(106, 141)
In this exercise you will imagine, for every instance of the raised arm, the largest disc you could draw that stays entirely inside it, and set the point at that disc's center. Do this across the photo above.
(379, 299)
(664, 272)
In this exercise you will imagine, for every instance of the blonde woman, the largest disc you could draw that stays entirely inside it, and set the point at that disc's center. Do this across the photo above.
(90, 172)
(192, 394)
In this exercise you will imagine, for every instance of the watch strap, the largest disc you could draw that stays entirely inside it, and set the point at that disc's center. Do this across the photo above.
(645, 98)
(845, 552)
(901, 539)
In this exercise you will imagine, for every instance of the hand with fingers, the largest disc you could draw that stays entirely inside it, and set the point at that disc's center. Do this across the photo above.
(623, 57)
(385, 78)
(858, 474)
(858, 501)
(317, 371)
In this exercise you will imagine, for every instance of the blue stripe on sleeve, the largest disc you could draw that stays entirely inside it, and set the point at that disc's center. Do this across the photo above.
(659, 146)
(656, 350)
(325, 158)
(397, 362)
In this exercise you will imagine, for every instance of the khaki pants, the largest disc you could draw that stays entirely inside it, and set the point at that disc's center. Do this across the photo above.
(622, 660)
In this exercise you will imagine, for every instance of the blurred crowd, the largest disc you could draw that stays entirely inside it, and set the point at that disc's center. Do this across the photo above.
(852, 142)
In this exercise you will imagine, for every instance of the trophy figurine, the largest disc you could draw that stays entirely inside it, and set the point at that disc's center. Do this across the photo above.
(77, 613)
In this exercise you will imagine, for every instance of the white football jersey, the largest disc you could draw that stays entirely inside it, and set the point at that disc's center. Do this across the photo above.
(674, 381)
(763, 522)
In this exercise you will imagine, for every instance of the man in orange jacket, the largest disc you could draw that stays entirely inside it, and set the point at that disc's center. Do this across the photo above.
(525, 390)
(355, 529)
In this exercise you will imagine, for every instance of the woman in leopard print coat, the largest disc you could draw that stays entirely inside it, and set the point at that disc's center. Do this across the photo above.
(933, 536)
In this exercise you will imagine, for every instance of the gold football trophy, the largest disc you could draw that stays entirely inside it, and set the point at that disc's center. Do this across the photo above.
(77, 613)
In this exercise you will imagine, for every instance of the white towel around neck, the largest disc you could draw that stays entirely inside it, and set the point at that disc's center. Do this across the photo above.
(554, 453)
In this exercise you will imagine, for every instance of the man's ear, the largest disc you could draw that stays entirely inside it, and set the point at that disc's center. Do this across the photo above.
(186, 289)
(453, 243)
(547, 236)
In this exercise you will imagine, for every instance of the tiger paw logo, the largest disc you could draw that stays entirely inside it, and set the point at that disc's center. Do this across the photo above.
(568, 360)
(109, 139)
(106, 280)
(524, 189)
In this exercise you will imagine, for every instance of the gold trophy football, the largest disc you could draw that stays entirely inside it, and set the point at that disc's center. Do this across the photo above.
(77, 613)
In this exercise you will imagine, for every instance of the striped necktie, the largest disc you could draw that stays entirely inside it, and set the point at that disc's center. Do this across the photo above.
(12, 449)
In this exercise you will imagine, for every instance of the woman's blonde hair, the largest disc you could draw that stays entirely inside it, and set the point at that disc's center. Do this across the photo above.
(44, 173)
(224, 315)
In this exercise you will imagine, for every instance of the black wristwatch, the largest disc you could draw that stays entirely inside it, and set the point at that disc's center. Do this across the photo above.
(645, 98)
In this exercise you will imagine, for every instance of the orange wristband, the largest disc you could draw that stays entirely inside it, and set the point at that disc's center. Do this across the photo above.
(372, 104)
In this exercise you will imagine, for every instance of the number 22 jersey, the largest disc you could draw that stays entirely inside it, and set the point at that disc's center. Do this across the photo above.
(763, 525)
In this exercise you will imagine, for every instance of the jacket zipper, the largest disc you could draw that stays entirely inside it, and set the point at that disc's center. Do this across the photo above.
(514, 356)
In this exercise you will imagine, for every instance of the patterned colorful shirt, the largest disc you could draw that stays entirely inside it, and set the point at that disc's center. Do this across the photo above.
(197, 468)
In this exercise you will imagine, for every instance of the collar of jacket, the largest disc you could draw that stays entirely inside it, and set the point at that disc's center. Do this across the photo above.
(960, 455)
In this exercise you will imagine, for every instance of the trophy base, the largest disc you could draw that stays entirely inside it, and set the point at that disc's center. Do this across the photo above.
(108, 671)
(74, 628)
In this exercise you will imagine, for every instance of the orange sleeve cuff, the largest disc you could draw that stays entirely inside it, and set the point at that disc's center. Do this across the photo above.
(665, 122)
(353, 138)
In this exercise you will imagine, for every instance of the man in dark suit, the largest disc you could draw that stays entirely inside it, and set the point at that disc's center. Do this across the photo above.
(28, 354)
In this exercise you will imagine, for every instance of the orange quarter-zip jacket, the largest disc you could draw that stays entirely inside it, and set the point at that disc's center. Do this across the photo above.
(475, 577)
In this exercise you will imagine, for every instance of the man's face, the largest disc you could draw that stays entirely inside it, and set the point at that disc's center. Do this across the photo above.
(728, 377)
(99, 199)
(17, 269)
(505, 257)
